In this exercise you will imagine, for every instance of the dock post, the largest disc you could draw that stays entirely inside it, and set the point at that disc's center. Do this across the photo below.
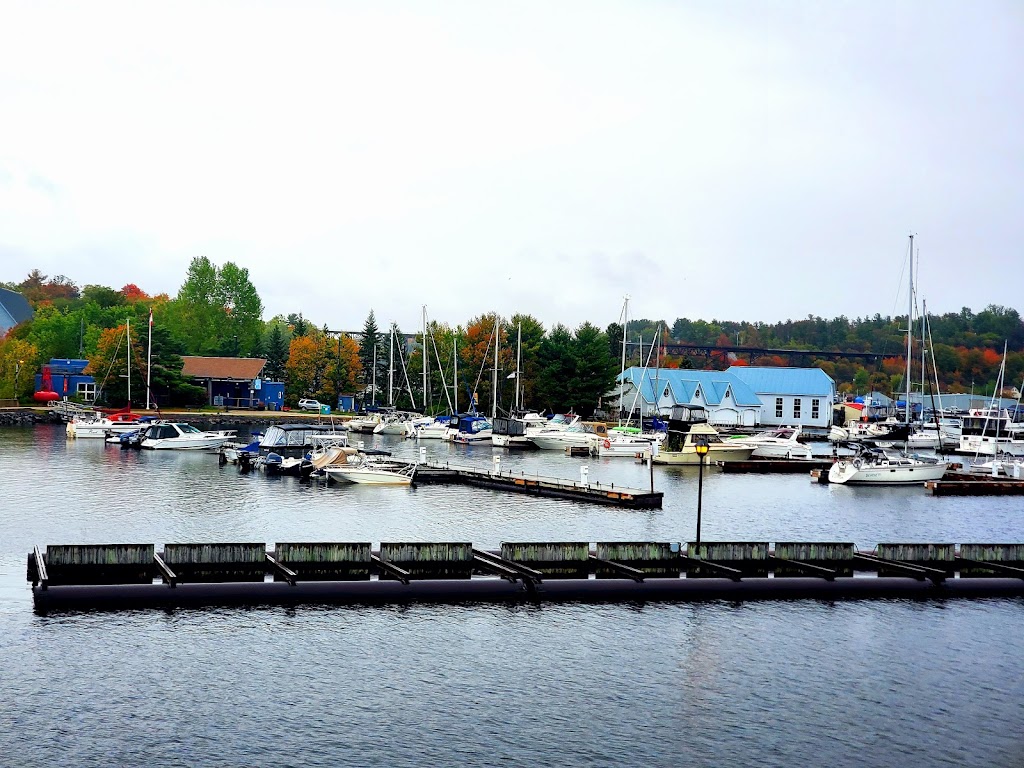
(497, 465)
(584, 471)
(423, 454)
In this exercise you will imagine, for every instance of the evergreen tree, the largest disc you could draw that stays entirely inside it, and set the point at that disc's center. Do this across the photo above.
(277, 353)
(369, 354)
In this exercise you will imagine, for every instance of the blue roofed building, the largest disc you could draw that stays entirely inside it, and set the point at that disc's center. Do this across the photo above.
(14, 309)
(803, 396)
(654, 391)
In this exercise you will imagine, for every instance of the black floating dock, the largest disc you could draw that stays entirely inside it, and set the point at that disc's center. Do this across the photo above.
(975, 486)
(118, 576)
(538, 485)
(776, 466)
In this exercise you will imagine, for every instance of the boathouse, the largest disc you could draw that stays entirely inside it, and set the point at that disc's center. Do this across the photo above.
(653, 391)
(14, 309)
(802, 396)
(234, 382)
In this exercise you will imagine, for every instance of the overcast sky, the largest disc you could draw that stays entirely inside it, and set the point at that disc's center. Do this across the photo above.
(730, 160)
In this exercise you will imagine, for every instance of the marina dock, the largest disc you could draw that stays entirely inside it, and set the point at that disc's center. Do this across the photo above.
(118, 576)
(538, 485)
(775, 466)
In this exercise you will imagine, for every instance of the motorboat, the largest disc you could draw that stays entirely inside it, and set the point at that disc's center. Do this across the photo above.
(469, 429)
(364, 470)
(779, 443)
(396, 423)
(584, 434)
(93, 425)
(436, 429)
(857, 431)
(512, 432)
(1002, 465)
(991, 431)
(874, 465)
(687, 428)
(625, 445)
(296, 440)
(365, 422)
(178, 435)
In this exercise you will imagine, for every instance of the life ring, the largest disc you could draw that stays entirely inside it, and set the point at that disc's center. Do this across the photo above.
(607, 443)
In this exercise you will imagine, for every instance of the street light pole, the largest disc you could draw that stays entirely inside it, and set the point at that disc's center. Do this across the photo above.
(17, 370)
(700, 445)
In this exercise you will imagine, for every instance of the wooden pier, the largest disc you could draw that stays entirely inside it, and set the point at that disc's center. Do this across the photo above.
(117, 576)
(538, 485)
(958, 485)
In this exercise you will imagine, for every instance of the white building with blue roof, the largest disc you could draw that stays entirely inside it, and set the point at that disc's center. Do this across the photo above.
(793, 396)
(653, 391)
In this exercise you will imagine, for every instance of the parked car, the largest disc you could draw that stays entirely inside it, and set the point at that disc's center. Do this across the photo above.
(306, 404)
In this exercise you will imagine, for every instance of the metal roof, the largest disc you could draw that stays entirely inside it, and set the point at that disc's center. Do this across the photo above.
(222, 368)
(15, 305)
(785, 381)
(684, 382)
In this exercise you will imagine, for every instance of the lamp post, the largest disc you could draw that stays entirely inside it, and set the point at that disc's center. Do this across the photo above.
(17, 370)
(700, 445)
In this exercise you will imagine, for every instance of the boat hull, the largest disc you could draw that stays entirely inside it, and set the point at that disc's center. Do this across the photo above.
(849, 473)
(715, 453)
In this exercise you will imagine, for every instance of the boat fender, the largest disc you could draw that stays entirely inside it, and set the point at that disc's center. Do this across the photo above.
(607, 443)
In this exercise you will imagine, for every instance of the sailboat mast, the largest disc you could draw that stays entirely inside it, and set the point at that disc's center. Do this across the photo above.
(910, 324)
(494, 375)
(622, 379)
(426, 399)
(373, 380)
(455, 371)
(149, 356)
(519, 359)
(391, 368)
(128, 336)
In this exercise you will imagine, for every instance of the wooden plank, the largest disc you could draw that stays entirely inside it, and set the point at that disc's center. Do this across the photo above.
(816, 551)
(917, 552)
(41, 573)
(995, 566)
(288, 574)
(166, 573)
(75, 555)
(557, 553)
(215, 554)
(633, 573)
(324, 553)
(399, 573)
(645, 551)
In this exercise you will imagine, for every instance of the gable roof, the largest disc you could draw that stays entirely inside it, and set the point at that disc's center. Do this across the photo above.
(785, 381)
(684, 382)
(222, 368)
(15, 305)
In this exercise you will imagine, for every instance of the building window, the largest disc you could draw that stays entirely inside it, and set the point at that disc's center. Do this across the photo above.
(87, 390)
(796, 407)
(778, 407)
(814, 408)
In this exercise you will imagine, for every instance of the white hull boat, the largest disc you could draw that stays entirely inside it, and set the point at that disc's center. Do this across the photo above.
(718, 449)
(373, 473)
(183, 437)
(100, 428)
(781, 443)
(886, 466)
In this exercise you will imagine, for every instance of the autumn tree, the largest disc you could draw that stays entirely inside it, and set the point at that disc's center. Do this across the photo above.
(19, 361)
(343, 369)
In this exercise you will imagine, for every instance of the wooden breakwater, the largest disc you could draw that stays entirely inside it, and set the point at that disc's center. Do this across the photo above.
(195, 574)
(538, 485)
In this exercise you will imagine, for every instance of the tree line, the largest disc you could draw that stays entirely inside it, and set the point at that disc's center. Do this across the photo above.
(218, 312)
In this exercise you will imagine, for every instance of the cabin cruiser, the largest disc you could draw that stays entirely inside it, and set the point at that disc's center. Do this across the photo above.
(178, 435)
(779, 443)
(436, 429)
(687, 428)
(469, 428)
(95, 425)
(296, 440)
(991, 431)
(512, 432)
(583, 434)
(874, 465)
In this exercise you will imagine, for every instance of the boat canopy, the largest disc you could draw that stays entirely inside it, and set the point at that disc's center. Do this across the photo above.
(284, 435)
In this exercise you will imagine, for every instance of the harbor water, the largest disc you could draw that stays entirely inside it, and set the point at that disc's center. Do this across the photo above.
(773, 683)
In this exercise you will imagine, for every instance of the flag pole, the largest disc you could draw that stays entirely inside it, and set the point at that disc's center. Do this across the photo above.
(149, 356)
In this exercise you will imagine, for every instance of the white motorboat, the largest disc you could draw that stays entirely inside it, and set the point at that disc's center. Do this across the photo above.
(624, 445)
(585, 434)
(780, 443)
(365, 471)
(91, 426)
(886, 466)
(469, 429)
(436, 429)
(513, 432)
(296, 440)
(364, 423)
(177, 435)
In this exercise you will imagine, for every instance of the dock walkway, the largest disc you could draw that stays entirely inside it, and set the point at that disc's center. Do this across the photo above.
(537, 485)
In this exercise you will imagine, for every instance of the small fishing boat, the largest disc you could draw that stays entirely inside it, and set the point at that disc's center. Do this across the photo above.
(365, 470)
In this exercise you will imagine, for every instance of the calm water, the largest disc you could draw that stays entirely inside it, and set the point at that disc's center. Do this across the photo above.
(867, 683)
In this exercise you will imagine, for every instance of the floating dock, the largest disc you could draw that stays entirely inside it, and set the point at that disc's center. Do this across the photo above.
(776, 466)
(118, 576)
(538, 485)
(958, 485)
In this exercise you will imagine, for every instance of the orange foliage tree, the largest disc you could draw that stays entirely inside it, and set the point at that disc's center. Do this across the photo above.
(477, 353)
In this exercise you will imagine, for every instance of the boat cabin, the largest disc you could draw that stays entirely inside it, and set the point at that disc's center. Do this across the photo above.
(296, 439)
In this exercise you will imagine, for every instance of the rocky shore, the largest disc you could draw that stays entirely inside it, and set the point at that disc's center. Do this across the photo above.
(26, 417)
